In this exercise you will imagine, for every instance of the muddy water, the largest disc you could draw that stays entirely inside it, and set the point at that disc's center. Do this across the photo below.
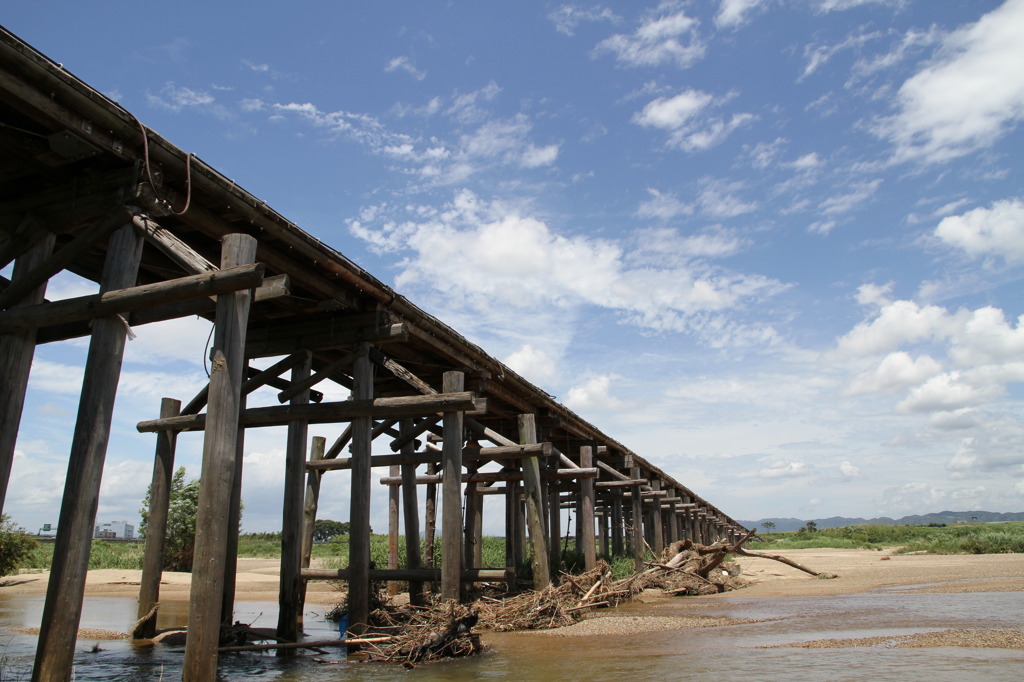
(722, 653)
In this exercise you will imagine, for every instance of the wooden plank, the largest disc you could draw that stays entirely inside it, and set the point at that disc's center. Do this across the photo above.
(328, 413)
(156, 526)
(359, 510)
(16, 351)
(63, 607)
(451, 494)
(534, 506)
(129, 299)
(290, 593)
(218, 471)
(171, 246)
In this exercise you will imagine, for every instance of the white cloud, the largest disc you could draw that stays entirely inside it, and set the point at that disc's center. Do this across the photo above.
(874, 294)
(734, 13)
(968, 97)
(852, 200)
(822, 227)
(849, 470)
(898, 322)
(662, 206)
(897, 371)
(819, 55)
(665, 36)
(684, 117)
(567, 17)
(949, 391)
(533, 363)
(987, 231)
(403, 63)
(841, 5)
(988, 339)
(719, 200)
(785, 470)
(535, 157)
(593, 394)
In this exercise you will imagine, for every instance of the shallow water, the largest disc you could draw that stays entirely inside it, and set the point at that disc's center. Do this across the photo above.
(719, 653)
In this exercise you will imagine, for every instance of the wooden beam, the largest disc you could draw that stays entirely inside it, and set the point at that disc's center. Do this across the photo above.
(502, 452)
(63, 607)
(338, 330)
(498, 476)
(328, 413)
(470, 575)
(586, 517)
(129, 299)
(218, 471)
(312, 500)
(325, 373)
(171, 246)
(410, 508)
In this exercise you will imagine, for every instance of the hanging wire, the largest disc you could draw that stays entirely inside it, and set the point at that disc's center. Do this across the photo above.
(149, 172)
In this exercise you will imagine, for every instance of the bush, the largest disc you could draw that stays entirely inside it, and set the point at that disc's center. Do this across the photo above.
(181, 522)
(15, 546)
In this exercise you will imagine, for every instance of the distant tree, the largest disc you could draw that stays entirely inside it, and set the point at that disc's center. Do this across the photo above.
(325, 529)
(15, 545)
(810, 527)
(768, 526)
(181, 522)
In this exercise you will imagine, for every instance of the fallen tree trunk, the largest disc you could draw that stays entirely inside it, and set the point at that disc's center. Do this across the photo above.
(788, 562)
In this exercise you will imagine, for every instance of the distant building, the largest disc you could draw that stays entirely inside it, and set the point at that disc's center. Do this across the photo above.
(115, 529)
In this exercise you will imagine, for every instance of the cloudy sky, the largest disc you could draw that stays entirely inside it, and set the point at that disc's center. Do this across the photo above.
(773, 246)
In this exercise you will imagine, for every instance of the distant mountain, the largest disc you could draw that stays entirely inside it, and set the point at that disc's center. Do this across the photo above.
(788, 524)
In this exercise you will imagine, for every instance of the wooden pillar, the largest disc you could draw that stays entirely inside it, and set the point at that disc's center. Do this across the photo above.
(394, 493)
(534, 506)
(511, 513)
(586, 519)
(156, 522)
(359, 511)
(220, 447)
(617, 544)
(478, 529)
(234, 518)
(451, 493)
(473, 502)
(410, 505)
(638, 523)
(554, 529)
(312, 501)
(430, 521)
(673, 518)
(657, 531)
(63, 608)
(16, 352)
(290, 594)
(602, 533)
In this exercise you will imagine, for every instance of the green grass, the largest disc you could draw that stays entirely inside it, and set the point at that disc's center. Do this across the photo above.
(982, 538)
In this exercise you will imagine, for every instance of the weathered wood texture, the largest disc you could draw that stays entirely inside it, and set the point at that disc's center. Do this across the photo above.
(63, 607)
(359, 509)
(16, 351)
(534, 505)
(411, 514)
(586, 533)
(451, 494)
(218, 469)
(156, 526)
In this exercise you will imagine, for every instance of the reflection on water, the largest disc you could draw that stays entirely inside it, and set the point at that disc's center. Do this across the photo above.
(711, 653)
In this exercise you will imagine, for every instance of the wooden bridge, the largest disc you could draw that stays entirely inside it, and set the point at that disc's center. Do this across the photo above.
(85, 187)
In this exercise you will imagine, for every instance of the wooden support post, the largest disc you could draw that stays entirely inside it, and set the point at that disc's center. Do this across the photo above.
(312, 499)
(16, 351)
(63, 607)
(220, 452)
(637, 545)
(359, 511)
(410, 505)
(156, 526)
(534, 506)
(234, 519)
(586, 520)
(393, 496)
(429, 521)
(451, 493)
(657, 531)
(511, 560)
(617, 544)
(472, 505)
(602, 526)
(554, 531)
(291, 591)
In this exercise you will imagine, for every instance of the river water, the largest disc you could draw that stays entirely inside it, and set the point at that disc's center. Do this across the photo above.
(718, 653)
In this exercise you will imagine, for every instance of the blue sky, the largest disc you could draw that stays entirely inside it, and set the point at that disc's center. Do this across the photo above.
(773, 246)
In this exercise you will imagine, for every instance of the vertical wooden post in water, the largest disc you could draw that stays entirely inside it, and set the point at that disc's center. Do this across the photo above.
(63, 608)
(359, 511)
(586, 526)
(657, 532)
(291, 593)
(156, 525)
(410, 505)
(554, 529)
(534, 506)
(451, 493)
(638, 523)
(220, 446)
(227, 609)
(617, 543)
(511, 560)
(312, 501)
(16, 351)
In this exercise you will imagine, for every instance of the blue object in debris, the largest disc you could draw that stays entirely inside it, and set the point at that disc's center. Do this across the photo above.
(343, 626)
